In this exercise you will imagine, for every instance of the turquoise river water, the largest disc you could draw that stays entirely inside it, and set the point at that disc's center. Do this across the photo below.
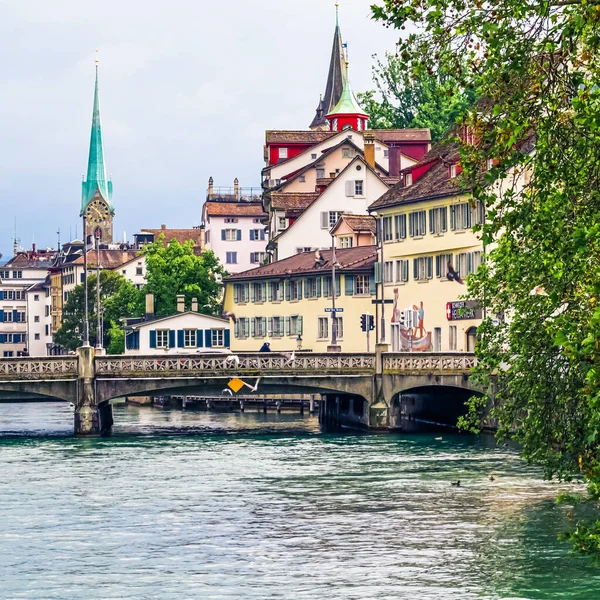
(250, 506)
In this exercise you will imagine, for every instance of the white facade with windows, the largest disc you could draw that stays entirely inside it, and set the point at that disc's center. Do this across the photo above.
(351, 191)
(39, 320)
(182, 333)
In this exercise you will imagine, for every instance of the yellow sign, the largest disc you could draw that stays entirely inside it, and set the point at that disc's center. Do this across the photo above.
(236, 385)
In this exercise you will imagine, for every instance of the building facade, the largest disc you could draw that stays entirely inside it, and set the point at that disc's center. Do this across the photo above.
(429, 250)
(39, 320)
(288, 302)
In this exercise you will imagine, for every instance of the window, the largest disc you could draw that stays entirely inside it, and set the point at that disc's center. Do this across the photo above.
(275, 291)
(464, 216)
(47, 330)
(231, 258)
(438, 220)
(218, 338)
(320, 173)
(355, 188)
(358, 187)
(387, 229)
(400, 227)
(348, 152)
(417, 226)
(36, 336)
(437, 339)
(8, 316)
(282, 223)
(283, 152)
(138, 271)
(4, 274)
(401, 271)
(257, 234)
(302, 249)
(241, 293)
(386, 153)
(260, 327)
(255, 220)
(243, 327)
(295, 288)
(340, 327)
(467, 263)
(452, 337)
(123, 272)
(313, 157)
(277, 327)
(329, 219)
(361, 285)
(17, 274)
(259, 292)
(36, 319)
(452, 171)
(345, 241)
(36, 297)
(408, 180)
(162, 338)
(231, 235)
(257, 258)
(230, 220)
(323, 328)
(311, 288)
(442, 264)
(388, 271)
(294, 325)
(423, 268)
(189, 338)
(8, 354)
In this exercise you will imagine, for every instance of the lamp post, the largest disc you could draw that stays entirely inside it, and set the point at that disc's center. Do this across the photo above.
(382, 275)
(299, 342)
(86, 310)
(333, 293)
(98, 309)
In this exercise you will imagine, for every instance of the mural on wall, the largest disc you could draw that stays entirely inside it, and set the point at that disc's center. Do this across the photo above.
(413, 337)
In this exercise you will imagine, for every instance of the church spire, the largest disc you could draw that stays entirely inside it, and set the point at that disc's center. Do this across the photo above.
(96, 180)
(347, 113)
(335, 78)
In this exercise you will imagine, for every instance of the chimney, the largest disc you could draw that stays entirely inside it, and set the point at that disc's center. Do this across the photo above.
(236, 188)
(194, 304)
(180, 303)
(211, 187)
(149, 307)
(369, 139)
(163, 226)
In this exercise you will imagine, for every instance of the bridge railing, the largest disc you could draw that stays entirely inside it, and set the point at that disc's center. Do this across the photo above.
(50, 367)
(238, 363)
(442, 362)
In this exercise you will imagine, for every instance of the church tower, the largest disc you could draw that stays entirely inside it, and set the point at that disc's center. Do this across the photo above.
(335, 79)
(347, 113)
(96, 193)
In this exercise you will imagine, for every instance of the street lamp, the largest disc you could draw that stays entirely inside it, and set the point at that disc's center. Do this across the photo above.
(299, 342)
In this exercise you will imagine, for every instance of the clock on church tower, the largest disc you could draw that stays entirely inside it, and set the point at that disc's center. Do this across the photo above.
(99, 220)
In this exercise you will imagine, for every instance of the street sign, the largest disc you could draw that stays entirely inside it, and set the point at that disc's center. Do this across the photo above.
(334, 310)
(462, 311)
(384, 302)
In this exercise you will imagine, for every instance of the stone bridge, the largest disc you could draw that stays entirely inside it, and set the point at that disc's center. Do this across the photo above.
(363, 390)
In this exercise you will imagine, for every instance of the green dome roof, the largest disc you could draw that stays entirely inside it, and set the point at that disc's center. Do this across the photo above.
(348, 104)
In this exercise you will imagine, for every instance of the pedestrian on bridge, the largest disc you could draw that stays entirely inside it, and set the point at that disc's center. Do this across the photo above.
(266, 347)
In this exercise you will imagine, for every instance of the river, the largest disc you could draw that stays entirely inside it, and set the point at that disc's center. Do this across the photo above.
(250, 506)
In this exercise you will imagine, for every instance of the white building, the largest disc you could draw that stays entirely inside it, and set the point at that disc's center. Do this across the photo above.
(39, 332)
(234, 226)
(350, 192)
(22, 272)
(182, 333)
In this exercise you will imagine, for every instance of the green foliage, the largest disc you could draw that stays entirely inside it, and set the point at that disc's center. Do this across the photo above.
(422, 99)
(536, 65)
(174, 269)
(117, 339)
(119, 299)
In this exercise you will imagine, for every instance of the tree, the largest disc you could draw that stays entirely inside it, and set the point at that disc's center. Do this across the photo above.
(536, 65)
(119, 299)
(433, 100)
(175, 269)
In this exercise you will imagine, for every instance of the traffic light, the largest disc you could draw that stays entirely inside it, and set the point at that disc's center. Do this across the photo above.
(371, 322)
(363, 322)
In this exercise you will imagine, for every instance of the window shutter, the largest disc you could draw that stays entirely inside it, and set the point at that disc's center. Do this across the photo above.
(422, 222)
(252, 293)
(16, 314)
(262, 235)
(416, 269)
(1, 295)
(288, 291)
(180, 339)
(404, 270)
(378, 277)
(1, 316)
(324, 220)
(223, 234)
(299, 326)
(338, 285)
(300, 282)
(438, 265)
(236, 293)
(153, 339)
(372, 286)
(252, 235)
(270, 327)
(445, 219)
(236, 329)
(349, 285)
(2, 338)
(171, 338)
(431, 220)
(208, 338)
(239, 235)
(470, 262)
(429, 267)
(453, 217)
(252, 327)
(318, 287)
(227, 338)
(350, 188)
(287, 326)
(411, 224)
(270, 292)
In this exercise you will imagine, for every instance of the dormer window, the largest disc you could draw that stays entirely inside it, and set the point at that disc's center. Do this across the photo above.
(283, 152)
(408, 179)
(452, 171)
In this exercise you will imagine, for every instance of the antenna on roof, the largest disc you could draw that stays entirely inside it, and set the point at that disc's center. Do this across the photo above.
(58, 239)
(16, 240)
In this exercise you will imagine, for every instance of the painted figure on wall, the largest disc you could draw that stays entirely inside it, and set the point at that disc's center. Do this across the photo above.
(420, 313)
(410, 324)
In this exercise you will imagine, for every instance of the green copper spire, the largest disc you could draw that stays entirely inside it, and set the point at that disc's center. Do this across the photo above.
(348, 104)
(96, 180)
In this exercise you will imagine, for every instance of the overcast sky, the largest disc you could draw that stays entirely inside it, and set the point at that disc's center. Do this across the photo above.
(187, 90)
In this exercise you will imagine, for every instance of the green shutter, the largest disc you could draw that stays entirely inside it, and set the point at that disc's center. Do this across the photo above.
(253, 327)
(288, 292)
(431, 220)
(287, 326)
(270, 327)
(180, 339)
(372, 285)
(300, 328)
(252, 293)
(300, 282)
(453, 217)
(338, 285)
(318, 287)
(269, 292)
(208, 338)
(236, 329)
(429, 267)
(236, 293)
(153, 339)
(349, 285)
(416, 269)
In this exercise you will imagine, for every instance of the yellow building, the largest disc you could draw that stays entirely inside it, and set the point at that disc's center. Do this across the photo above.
(429, 249)
(286, 302)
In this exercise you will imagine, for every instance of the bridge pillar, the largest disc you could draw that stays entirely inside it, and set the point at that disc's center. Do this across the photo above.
(90, 419)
